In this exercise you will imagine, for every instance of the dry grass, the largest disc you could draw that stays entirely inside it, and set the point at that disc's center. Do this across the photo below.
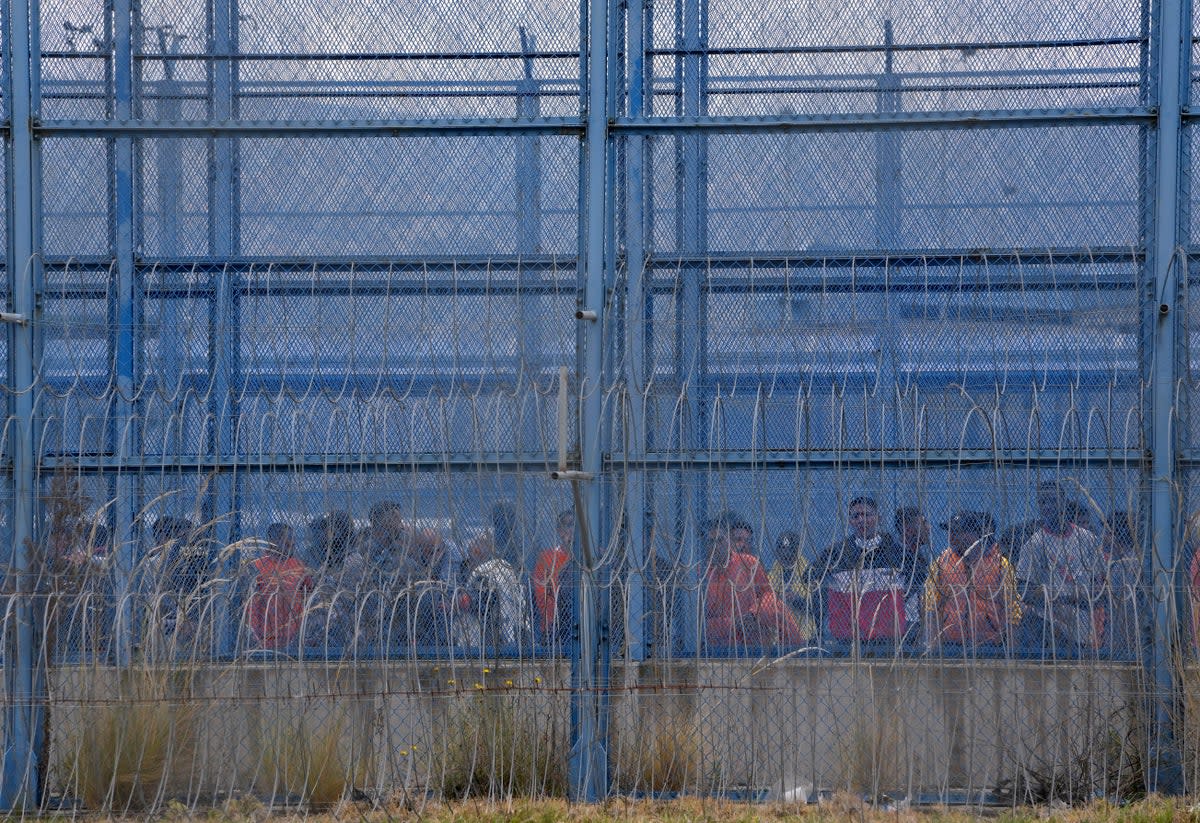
(317, 764)
(661, 756)
(494, 746)
(840, 808)
(871, 757)
(127, 751)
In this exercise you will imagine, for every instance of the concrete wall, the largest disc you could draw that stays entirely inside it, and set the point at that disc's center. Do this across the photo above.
(879, 726)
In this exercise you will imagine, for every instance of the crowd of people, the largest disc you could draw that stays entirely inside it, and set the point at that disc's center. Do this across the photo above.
(1051, 586)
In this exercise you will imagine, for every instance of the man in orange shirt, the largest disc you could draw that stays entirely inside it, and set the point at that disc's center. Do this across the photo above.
(740, 607)
(971, 592)
(552, 603)
(280, 588)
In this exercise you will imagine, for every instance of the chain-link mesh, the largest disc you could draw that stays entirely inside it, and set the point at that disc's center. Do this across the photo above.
(326, 487)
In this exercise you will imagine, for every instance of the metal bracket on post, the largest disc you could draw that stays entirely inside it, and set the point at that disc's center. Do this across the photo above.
(14, 318)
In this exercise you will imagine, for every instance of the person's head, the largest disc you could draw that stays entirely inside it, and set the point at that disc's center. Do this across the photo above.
(912, 527)
(718, 539)
(282, 537)
(741, 536)
(564, 529)
(966, 528)
(864, 517)
(171, 530)
(332, 536)
(1052, 505)
(787, 549)
(1078, 513)
(480, 549)
(389, 533)
(1119, 538)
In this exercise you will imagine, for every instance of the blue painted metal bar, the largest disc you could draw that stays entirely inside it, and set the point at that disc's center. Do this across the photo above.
(506, 462)
(693, 124)
(634, 312)
(828, 259)
(567, 126)
(224, 332)
(588, 762)
(859, 48)
(288, 267)
(1016, 118)
(528, 179)
(126, 423)
(888, 191)
(905, 277)
(361, 56)
(1172, 60)
(20, 779)
(691, 222)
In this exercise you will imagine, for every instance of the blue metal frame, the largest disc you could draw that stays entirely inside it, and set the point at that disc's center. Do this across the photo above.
(20, 782)
(1172, 61)
(589, 759)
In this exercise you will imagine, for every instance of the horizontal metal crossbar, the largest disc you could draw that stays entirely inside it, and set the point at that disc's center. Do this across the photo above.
(399, 286)
(796, 259)
(873, 48)
(1057, 118)
(507, 462)
(308, 128)
(620, 125)
(264, 265)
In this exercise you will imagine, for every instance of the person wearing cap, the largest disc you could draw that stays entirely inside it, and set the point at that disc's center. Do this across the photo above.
(789, 579)
(971, 592)
(1060, 576)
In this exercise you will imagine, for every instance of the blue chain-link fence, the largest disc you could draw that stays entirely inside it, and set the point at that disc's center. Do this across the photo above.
(759, 399)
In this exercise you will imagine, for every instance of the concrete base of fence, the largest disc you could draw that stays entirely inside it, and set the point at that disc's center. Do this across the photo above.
(710, 725)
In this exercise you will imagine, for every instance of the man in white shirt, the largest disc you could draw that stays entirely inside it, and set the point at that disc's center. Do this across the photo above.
(1060, 574)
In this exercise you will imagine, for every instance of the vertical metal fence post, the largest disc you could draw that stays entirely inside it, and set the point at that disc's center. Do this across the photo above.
(128, 313)
(690, 318)
(224, 334)
(634, 427)
(1173, 50)
(530, 308)
(887, 151)
(588, 760)
(19, 779)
